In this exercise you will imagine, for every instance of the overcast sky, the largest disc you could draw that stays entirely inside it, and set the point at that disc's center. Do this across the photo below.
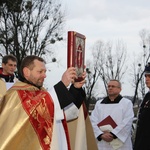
(106, 20)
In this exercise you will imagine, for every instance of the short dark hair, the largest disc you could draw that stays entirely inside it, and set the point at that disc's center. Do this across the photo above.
(8, 57)
(119, 83)
(28, 62)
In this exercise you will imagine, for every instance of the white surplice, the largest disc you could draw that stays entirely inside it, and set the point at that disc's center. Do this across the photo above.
(122, 114)
(59, 141)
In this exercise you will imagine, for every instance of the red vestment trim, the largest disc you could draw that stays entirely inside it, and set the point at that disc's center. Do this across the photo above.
(85, 110)
(64, 122)
(40, 109)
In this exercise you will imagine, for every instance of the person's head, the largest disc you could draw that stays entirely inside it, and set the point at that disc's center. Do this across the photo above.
(114, 88)
(9, 64)
(33, 70)
(147, 75)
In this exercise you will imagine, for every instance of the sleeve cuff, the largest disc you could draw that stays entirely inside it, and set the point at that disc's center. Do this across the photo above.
(99, 137)
(114, 136)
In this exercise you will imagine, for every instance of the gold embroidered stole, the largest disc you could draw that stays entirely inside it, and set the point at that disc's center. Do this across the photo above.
(40, 109)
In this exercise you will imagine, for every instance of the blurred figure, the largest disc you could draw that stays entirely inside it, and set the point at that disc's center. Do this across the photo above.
(7, 76)
(143, 125)
(115, 132)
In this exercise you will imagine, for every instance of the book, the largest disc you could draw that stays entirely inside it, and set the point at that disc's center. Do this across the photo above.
(108, 124)
(76, 52)
(107, 121)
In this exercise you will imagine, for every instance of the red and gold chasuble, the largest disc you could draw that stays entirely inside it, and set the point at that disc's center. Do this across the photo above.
(27, 120)
(40, 109)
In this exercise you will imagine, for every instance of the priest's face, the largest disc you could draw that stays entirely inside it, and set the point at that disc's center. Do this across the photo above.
(37, 74)
(114, 88)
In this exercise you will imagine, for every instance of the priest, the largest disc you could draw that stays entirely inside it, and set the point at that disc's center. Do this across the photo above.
(32, 118)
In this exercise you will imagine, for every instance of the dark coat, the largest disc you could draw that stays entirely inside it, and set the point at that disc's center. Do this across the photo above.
(142, 139)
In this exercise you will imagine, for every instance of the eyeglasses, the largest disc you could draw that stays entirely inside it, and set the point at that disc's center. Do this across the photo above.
(113, 86)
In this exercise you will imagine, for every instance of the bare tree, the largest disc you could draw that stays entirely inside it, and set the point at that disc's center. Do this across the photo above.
(112, 62)
(108, 63)
(139, 64)
(93, 71)
(29, 27)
